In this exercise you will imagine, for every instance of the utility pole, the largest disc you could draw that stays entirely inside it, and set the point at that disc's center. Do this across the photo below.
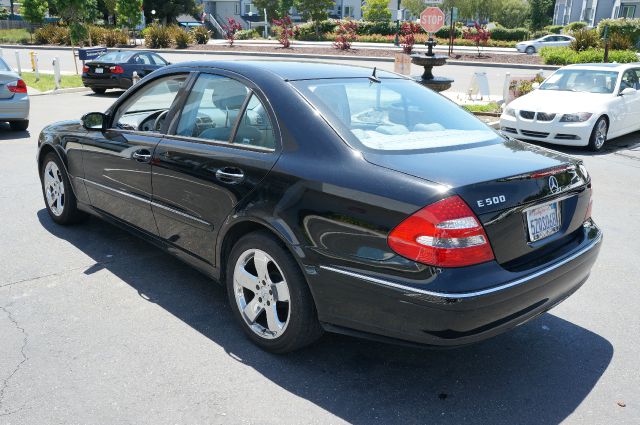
(397, 40)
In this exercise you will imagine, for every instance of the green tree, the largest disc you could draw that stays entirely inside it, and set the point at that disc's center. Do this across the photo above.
(276, 9)
(314, 10)
(415, 7)
(512, 13)
(76, 14)
(541, 13)
(34, 10)
(129, 12)
(376, 10)
(168, 10)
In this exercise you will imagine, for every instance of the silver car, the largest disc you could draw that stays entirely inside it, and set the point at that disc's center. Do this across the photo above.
(14, 100)
(553, 40)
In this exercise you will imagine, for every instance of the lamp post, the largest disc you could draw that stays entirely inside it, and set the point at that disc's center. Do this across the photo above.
(397, 40)
(153, 16)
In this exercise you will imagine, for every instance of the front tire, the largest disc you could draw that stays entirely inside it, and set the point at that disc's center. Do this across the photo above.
(58, 196)
(19, 125)
(530, 50)
(269, 295)
(598, 134)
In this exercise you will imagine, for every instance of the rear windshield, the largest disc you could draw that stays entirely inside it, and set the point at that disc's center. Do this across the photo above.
(4, 66)
(115, 57)
(394, 114)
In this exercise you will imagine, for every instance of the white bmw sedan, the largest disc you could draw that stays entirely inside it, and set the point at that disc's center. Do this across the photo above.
(553, 40)
(578, 105)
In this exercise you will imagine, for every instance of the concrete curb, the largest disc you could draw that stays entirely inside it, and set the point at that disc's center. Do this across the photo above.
(309, 56)
(61, 91)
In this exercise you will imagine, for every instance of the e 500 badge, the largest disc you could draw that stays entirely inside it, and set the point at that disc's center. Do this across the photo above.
(492, 201)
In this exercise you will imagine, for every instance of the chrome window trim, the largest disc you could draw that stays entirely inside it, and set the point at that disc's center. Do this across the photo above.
(473, 294)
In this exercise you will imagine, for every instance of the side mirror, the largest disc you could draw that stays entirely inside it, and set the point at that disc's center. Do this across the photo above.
(94, 121)
(628, 91)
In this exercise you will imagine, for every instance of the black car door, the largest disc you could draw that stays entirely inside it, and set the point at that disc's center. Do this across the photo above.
(219, 147)
(117, 161)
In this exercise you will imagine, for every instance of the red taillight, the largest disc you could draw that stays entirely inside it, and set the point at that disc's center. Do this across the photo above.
(445, 234)
(116, 69)
(85, 69)
(17, 86)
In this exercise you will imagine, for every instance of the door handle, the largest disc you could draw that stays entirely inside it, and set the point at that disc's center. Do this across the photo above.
(230, 175)
(142, 155)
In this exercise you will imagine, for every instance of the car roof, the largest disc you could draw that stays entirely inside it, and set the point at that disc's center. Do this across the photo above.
(608, 66)
(290, 70)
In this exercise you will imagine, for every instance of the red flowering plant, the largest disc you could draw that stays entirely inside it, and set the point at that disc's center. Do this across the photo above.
(345, 34)
(230, 30)
(408, 32)
(284, 29)
(478, 33)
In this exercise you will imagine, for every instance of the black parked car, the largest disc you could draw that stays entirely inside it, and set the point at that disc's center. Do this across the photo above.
(114, 70)
(329, 197)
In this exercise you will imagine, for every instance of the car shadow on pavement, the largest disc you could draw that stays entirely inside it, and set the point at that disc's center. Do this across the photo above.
(114, 94)
(7, 134)
(626, 142)
(538, 373)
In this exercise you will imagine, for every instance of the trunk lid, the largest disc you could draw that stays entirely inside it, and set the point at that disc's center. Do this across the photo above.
(501, 182)
(99, 69)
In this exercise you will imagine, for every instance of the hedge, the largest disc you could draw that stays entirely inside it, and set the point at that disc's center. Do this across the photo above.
(509, 34)
(554, 29)
(624, 27)
(567, 56)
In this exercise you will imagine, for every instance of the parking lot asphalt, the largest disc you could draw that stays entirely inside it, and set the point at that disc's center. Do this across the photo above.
(99, 327)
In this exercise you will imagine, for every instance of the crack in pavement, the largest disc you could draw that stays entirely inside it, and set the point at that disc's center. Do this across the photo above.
(5, 381)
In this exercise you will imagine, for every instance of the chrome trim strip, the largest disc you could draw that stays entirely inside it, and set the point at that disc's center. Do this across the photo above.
(148, 202)
(467, 294)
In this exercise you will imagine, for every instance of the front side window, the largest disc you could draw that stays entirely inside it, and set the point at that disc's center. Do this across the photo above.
(212, 108)
(394, 114)
(146, 108)
(581, 80)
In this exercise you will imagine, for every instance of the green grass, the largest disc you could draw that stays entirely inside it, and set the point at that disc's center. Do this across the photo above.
(489, 107)
(15, 36)
(46, 81)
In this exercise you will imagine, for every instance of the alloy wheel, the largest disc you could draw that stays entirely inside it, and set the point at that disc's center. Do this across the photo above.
(54, 188)
(601, 133)
(261, 293)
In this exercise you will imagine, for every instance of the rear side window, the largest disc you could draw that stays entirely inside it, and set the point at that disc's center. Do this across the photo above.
(394, 114)
(255, 127)
(212, 108)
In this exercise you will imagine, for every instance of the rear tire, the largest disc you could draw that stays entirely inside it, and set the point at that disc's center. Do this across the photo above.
(269, 295)
(598, 134)
(530, 50)
(19, 125)
(98, 91)
(58, 195)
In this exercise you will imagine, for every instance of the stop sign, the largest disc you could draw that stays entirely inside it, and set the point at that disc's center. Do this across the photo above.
(432, 19)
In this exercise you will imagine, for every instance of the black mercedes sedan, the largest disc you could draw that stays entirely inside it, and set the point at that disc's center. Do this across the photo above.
(114, 70)
(331, 198)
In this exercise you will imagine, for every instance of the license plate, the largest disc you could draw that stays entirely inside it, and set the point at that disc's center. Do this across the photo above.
(99, 71)
(543, 221)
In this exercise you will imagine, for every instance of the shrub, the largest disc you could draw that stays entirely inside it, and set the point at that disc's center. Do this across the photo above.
(444, 32)
(307, 31)
(574, 26)
(620, 42)
(629, 28)
(284, 29)
(377, 27)
(567, 56)
(479, 35)
(509, 34)
(96, 34)
(538, 34)
(408, 36)
(376, 10)
(345, 35)
(230, 30)
(182, 38)
(247, 34)
(157, 36)
(585, 39)
(45, 34)
(202, 35)
(554, 29)
(113, 38)
(62, 36)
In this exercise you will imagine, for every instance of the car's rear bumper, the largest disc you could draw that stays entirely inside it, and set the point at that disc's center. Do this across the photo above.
(15, 109)
(108, 82)
(409, 311)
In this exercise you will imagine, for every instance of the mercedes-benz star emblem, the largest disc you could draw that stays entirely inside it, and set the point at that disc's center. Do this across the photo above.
(554, 187)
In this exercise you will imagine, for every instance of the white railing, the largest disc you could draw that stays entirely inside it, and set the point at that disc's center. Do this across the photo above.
(216, 25)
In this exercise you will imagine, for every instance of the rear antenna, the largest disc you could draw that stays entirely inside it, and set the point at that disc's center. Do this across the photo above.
(373, 77)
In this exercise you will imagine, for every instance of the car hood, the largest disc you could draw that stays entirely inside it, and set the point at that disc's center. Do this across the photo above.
(559, 101)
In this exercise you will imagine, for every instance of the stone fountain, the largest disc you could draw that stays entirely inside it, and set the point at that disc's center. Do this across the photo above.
(428, 61)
